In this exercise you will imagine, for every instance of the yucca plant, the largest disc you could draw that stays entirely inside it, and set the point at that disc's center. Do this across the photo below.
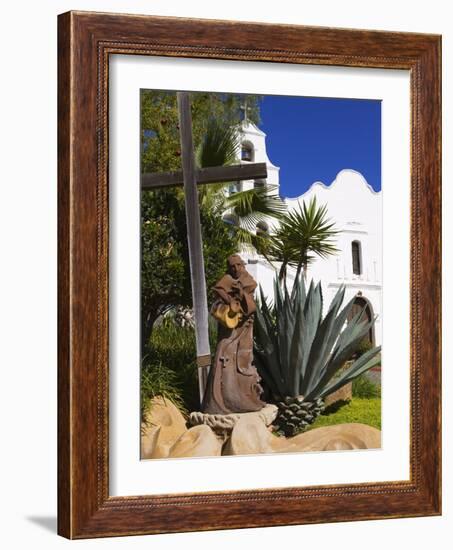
(304, 234)
(301, 356)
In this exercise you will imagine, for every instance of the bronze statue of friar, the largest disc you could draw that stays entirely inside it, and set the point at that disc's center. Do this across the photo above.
(233, 384)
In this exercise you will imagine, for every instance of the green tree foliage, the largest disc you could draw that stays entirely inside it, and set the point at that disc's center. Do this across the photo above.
(169, 366)
(161, 151)
(165, 263)
(163, 282)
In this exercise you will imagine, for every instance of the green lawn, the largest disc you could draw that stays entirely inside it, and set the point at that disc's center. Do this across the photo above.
(364, 411)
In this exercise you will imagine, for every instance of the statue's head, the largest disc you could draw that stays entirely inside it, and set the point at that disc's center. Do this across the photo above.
(235, 265)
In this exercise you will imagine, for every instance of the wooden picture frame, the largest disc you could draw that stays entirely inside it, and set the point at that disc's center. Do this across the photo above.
(86, 40)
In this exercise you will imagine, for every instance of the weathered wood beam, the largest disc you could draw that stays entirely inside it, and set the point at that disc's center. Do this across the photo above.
(215, 174)
(194, 239)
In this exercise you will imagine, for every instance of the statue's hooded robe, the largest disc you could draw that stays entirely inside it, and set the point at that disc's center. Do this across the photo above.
(233, 383)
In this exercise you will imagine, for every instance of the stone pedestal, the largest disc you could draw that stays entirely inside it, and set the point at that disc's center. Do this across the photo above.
(222, 424)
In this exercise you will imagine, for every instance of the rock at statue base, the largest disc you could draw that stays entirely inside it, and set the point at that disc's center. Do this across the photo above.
(148, 440)
(250, 436)
(341, 437)
(223, 424)
(197, 441)
(165, 435)
(163, 426)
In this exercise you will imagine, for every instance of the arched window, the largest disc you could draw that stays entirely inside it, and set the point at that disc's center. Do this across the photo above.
(259, 183)
(356, 248)
(247, 152)
(362, 305)
(262, 228)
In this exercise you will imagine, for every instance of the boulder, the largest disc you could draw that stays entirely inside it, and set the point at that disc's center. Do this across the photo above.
(197, 441)
(165, 435)
(162, 427)
(334, 438)
(250, 436)
(148, 440)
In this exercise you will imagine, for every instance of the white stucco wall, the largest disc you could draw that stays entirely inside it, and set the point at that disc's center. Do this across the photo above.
(357, 211)
(257, 139)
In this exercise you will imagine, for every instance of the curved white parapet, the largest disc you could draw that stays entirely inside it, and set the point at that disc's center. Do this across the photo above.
(356, 209)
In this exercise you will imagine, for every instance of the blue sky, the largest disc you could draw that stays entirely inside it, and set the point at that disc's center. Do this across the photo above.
(312, 139)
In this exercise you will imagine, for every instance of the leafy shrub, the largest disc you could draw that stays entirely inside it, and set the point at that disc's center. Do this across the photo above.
(169, 365)
(158, 380)
(165, 266)
(363, 387)
(364, 346)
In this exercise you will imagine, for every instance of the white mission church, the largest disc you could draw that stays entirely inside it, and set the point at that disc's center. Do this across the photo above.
(357, 211)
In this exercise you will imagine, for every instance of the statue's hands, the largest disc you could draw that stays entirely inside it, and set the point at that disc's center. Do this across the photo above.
(235, 306)
(238, 288)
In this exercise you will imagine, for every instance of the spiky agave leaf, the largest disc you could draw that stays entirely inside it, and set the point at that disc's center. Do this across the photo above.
(364, 363)
(343, 353)
(285, 320)
(313, 316)
(348, 342)
(322, 343)
(298, 291)
(297, 350)
(330, 339)
(266, 356)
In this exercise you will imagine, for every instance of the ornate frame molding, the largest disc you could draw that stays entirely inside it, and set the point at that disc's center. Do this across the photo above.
(86, 40)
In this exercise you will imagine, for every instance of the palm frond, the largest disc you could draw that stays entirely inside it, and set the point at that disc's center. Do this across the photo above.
(254, 205)
(304, 234)
(219, 145)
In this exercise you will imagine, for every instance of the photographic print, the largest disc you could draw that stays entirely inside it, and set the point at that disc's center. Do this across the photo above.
(226, 280)
(261, 284)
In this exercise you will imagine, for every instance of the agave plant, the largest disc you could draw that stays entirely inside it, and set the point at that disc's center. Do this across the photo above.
(301, 356)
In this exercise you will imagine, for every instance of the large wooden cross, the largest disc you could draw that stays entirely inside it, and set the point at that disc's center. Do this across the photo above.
(190, 176)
